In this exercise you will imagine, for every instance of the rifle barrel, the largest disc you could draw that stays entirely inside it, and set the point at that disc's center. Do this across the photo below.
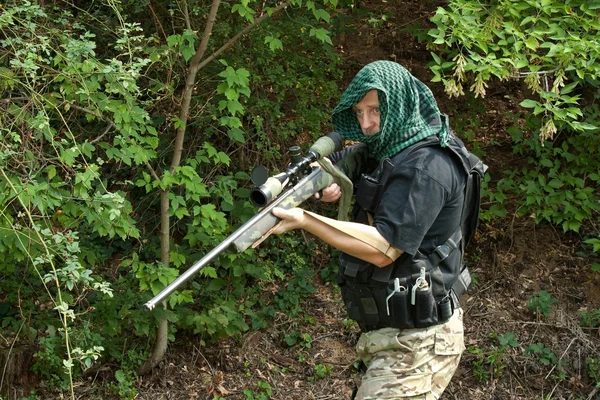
(290, 198)
(224, 245)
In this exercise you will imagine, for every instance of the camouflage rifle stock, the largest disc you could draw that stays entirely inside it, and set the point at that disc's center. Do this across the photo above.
(258, 227)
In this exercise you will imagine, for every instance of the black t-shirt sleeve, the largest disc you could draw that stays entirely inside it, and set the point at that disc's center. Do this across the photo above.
(409, 205)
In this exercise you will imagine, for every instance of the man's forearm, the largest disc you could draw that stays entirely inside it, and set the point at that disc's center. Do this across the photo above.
(347, 243)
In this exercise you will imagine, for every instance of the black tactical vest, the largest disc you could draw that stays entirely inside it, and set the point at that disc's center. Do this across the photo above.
(412, 291)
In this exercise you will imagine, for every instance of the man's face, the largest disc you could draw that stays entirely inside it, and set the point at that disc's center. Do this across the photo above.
(367, 112)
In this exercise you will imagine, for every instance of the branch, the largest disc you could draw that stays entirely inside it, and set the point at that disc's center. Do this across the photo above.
(189, 84)
(11, 99)
(186, 15)
(152, 171)
(196, 65)
(210, 23)
(111, 125)
(243, 32)
(99, 116)
(157, 20)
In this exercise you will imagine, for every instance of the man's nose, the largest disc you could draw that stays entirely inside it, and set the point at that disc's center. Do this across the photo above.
(367, 121)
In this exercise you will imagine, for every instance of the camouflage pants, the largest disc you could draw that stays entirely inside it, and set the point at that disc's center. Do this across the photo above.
(411, 363)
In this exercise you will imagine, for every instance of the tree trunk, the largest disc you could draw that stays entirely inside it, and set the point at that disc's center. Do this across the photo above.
(196, 64)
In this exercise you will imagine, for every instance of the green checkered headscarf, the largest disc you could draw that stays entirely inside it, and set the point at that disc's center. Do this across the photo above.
(408, 111)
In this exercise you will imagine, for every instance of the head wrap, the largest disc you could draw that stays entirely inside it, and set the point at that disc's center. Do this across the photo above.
(408, 110)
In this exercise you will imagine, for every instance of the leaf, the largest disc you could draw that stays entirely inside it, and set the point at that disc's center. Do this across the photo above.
(321, 34)
(242, 175)
(187, 52)
(210, 272)
(181, 212)
(531, 43)
(529, 103)
(51, 172)
(436, 58)
(321, 14)
(274, 43)
(555, 183)
(231, 94)
(574, 225)
(588, 127)
(569, 88)
(173, 40)
(226, 207)
(237, 135)
(235, 107)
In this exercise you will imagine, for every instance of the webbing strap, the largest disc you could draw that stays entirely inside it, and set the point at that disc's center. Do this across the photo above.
(442, 252)
(345, 184)
(383, 246)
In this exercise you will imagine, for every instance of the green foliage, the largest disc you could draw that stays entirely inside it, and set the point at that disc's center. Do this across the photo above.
(544, 355)
(542, 303)
(125, 376)
(322, 371)
(68, 118)
(90, 104)
(508, 340)
(379, 21)
(293, 338)
(589, 318)
(593, 369)
(558, 183)
(263, 392)
(488, 364)
(475, 42)
(491, 363)
(591, 250)
(543, 41)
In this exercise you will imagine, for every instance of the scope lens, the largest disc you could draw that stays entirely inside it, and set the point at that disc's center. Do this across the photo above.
(258, 198)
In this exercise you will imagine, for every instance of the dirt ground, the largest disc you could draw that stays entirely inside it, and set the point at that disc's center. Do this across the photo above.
(512, 260)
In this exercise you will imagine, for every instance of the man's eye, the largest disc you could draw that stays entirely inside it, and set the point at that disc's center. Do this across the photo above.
(358, 112)
(376, 111)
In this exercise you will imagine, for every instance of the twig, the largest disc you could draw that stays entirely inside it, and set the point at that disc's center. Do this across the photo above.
(10, 99)
(157, 20)
(561, 357)
(540, 324)
(322, 337)
(12, 345)
(99, 116)
(243, 32)
(212, 372)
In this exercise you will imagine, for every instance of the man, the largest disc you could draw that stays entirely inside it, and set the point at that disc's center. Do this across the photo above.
(406, 207)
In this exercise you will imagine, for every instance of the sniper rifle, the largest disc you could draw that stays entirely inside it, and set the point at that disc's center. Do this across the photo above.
(286, 190)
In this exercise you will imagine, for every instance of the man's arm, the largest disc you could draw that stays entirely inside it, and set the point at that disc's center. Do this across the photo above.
(296, 218)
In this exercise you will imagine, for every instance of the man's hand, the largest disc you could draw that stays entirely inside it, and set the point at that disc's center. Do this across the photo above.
(330, 194)
(293, 218)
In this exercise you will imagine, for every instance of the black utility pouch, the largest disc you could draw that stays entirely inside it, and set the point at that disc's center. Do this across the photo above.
(353, 269)
(444, 308)
(398, 305)
(367, 192)
(369, 187)
(367, 305)
(425, 308)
